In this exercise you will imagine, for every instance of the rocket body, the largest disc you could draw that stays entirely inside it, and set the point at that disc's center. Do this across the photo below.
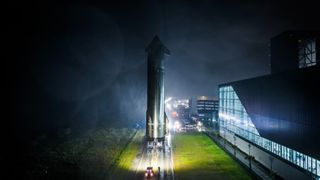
(156, 119)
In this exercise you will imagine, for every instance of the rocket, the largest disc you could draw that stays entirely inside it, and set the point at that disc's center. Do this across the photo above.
(156, 118)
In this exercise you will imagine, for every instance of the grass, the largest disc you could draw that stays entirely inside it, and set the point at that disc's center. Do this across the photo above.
(196, 156)
(123, 168)
(68, 155)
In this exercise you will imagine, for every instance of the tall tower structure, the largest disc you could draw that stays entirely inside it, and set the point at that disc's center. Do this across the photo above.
(156, 119)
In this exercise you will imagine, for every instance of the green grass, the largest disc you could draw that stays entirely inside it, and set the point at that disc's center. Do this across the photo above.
(123, 168)
(196, 156)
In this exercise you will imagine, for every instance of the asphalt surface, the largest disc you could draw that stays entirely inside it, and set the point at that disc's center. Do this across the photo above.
(156, 156)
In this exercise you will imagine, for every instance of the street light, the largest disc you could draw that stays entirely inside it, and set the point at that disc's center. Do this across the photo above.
(234, 145)
(249, 157)
(224, 138)
(271, 161)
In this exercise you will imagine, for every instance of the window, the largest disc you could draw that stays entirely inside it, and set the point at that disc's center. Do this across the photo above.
(233, 117)
(307, 53)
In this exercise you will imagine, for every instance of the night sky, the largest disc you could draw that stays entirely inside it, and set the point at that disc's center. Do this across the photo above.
(83, 63)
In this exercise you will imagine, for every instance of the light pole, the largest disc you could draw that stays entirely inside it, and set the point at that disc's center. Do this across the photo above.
(271, 170)
(234, 145)
(271, 161)
(224, 138)
(249, 157)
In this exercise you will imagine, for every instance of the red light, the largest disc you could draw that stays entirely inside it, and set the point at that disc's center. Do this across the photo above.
(174, 114)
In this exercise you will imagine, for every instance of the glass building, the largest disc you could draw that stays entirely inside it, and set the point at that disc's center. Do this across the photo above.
(279, 113)
(233, 117)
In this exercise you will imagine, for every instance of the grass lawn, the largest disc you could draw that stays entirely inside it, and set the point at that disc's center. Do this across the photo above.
(123, 168)
(196, 156)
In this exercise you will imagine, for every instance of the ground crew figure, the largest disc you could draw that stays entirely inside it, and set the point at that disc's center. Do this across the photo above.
(158, 170)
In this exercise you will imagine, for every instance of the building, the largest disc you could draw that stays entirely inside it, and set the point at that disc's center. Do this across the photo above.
(179, 108)
(207, 108)
(275, 118)
(293, 49)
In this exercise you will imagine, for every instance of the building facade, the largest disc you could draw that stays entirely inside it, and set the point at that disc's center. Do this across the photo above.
(294, 49)
(276, 117)
(207, 108)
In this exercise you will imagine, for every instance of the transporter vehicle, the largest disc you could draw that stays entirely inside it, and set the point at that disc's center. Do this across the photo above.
(149, 172)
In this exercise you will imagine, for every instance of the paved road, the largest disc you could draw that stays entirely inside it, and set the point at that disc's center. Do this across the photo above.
(156, 157)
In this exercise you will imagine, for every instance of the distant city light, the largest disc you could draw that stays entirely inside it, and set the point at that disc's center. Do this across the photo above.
(169, 126)
(168, 106)
(174, 114)
(177, 125)
(168, 99)
(199, 126)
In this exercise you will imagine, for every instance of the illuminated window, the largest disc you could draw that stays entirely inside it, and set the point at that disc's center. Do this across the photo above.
(233, 117)
(307, 53)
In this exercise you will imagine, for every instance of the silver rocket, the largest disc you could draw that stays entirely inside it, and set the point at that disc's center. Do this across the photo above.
(156, 118)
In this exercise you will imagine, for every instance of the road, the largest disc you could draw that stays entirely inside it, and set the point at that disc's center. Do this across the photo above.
(156, 157)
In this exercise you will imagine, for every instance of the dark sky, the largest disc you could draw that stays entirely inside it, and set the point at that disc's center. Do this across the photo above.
(84, 62)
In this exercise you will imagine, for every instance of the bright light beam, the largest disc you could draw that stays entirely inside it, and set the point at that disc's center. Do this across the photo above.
(167, 100)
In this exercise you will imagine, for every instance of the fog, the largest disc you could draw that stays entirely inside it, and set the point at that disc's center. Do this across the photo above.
(83, 64)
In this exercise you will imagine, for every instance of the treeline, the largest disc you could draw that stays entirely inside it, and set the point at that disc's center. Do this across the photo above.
(68, 156)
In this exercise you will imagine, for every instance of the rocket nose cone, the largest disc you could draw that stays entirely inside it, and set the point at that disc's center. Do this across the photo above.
(155, 45)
